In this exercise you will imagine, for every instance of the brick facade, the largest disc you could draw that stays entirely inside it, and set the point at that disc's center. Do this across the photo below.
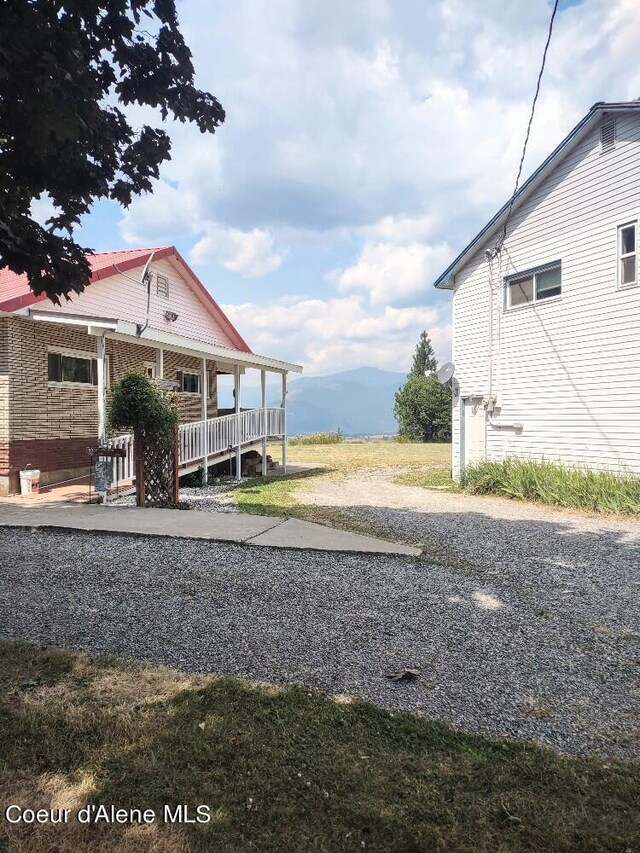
(51, 426)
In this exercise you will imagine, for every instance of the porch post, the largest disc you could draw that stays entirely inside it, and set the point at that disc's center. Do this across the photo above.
(160, 363)
(263, 387)
(102, 401)
(236, 386)
(102, 391)
(284, 422)
(204, 389)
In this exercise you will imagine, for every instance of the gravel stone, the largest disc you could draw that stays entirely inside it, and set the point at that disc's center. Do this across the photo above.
(529, 630)
(215, 498)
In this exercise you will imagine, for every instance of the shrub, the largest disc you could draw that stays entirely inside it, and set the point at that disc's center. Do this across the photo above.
(318, 438)
(555, 484)
(138, 404)
(402, 439)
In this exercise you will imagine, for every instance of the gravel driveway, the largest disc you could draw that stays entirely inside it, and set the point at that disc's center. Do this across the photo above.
(530, 629)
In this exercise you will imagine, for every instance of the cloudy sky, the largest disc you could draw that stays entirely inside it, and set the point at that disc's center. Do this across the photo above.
(365, 143)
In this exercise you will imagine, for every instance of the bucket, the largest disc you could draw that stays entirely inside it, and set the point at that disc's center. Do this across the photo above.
(29, 481)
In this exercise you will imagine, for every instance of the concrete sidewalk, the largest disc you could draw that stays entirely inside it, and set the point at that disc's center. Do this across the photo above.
(191, 524)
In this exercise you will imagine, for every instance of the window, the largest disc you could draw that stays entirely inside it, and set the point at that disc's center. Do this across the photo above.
(162, 286)
(77, 368)
(627, 255)
(149, 369)
(533, 286)
(189, 383)
(607, 135)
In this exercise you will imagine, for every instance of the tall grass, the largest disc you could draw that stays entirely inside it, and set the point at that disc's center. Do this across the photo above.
(318, 438)
(555, 484)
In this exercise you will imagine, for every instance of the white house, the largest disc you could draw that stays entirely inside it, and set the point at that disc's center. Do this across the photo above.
(546, 322)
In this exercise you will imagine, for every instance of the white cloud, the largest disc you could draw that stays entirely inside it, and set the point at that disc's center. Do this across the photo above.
(338, 333)
(392, 129)
(160, 218)
(391, 273)
(250, 253)
(401, 229)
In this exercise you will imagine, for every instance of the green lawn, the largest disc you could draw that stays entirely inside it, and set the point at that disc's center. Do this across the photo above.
(420, 463)
(351, 455)
(280, 769)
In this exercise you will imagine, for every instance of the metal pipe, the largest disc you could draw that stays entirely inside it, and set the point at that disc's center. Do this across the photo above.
(501, 424)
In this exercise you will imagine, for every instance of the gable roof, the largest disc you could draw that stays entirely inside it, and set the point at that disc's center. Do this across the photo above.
(599, 109)
(15, 292)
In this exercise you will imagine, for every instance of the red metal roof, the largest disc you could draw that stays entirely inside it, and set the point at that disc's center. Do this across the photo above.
(15, 292)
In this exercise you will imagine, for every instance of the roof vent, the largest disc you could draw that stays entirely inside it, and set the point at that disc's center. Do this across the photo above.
(607, 135)
(162, 286)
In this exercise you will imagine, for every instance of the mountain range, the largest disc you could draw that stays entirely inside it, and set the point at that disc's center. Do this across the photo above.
(357, 402)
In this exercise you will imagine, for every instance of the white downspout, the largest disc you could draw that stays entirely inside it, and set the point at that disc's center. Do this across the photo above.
(501, 424)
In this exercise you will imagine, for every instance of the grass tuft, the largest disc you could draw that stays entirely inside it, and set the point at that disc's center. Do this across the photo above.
(555, 484)
(318, 438)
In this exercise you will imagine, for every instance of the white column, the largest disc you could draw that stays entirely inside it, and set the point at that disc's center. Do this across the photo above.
(102, 391)
(263, 388)
(204, 389)
(236, 386)
(102, 403)
(160, 363)
(284, 422)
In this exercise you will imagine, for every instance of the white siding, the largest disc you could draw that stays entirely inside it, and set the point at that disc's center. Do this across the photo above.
(567, 369)
(120, 297)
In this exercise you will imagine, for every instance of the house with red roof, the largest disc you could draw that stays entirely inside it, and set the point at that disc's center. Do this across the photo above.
(144, 309)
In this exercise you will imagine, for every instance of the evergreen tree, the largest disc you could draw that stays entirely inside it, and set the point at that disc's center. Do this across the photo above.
(423, 406)
(424, 358)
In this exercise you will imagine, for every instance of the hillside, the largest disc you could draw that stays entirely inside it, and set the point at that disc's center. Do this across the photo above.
(358, 402)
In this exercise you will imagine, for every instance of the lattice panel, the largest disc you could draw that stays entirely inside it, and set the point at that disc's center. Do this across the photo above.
(160, 474)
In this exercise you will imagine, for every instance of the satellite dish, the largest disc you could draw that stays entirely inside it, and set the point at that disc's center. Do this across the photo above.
(445, 373)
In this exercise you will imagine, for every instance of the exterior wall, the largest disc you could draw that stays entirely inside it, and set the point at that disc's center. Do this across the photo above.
(568, 368)
(190, 405)
(4, 400)
(52, 426)
(119, 296)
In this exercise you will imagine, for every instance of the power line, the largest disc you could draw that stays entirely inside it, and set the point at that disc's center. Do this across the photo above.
(526, 139)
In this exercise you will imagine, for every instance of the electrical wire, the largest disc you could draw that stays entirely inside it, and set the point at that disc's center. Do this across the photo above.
(526, 139)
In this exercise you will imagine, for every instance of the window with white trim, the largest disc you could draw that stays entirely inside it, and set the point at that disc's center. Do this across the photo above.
(531, 286)
(76, 368)
(189, 382)
(150, 369)
(627, 254)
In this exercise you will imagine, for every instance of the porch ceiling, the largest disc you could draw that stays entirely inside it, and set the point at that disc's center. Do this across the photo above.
(121, 330)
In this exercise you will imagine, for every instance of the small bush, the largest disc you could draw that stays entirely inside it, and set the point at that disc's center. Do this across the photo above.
(318, 438)
(555, 484)
(138, 404)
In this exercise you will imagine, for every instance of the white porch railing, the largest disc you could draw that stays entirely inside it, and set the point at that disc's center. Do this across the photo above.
(123, 469)
(222, 437)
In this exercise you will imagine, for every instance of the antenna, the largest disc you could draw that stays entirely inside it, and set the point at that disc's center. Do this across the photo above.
(445, 373)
